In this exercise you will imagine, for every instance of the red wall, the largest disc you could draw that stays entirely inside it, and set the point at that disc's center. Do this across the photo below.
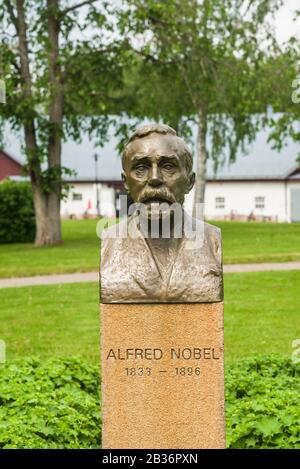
(8, 166)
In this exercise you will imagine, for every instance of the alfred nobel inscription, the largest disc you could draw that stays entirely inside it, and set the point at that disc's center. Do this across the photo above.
(186, 353)
(162, 310)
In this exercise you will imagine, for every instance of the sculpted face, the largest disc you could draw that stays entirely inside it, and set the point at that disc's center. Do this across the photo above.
(155, 172)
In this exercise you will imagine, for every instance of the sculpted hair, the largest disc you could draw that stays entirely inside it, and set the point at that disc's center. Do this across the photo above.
(147, 129)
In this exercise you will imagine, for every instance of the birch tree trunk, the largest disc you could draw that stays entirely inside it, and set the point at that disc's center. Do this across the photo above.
(202, 155)
(55, 119)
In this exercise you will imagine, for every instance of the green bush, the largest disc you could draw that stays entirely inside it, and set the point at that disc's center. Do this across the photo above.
(52, 404)
(55, 404)
(17, 221)
(262, 403)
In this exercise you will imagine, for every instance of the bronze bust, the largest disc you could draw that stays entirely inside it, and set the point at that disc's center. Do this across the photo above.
(181, 263)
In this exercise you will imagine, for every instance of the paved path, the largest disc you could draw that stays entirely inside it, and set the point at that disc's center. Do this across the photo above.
(93, 276)
(264, 267)
(49, 279)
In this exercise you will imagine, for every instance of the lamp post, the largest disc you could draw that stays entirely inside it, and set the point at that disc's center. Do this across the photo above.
(97, 188)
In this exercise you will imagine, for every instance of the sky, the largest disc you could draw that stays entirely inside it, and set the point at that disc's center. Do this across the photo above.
(284, 24)
(285, 27)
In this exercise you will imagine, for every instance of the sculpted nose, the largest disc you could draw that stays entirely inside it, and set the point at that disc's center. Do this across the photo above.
(155, 177)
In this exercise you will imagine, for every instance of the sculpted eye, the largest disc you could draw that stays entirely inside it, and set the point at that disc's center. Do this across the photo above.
(140, 170)
(141, 167)
(168, 166)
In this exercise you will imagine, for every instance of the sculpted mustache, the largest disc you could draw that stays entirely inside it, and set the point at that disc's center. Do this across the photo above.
(163, 195)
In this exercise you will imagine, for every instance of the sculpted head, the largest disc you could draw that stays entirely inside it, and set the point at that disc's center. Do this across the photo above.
(157, 166)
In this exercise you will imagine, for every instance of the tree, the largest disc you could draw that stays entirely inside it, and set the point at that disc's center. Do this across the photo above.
(59, 83)
(285, 124)
(205, 61)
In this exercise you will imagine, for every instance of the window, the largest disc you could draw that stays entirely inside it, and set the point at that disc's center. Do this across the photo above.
(259, 202)
(220, 202)
(77, 196)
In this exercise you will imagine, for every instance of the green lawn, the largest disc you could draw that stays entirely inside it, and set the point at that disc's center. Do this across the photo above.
(262, 315)
(52, 320)
(242, 242)
(260, 242)
(79, 253)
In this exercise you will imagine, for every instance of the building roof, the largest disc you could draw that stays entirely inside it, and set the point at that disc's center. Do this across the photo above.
(8, 166)
(261, 163)
(11, 158)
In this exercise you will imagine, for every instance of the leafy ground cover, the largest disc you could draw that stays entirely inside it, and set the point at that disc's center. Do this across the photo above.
(52, 404)
(262, 403)
(56, 403)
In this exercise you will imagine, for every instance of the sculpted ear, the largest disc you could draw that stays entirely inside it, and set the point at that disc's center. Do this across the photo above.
(124, 180)
(191, 182)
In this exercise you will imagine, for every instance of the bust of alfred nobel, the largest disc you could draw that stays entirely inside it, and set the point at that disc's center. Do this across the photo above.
(159, 253)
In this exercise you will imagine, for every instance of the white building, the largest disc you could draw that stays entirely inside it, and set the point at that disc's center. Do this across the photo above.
(82, 199)
(264, 185)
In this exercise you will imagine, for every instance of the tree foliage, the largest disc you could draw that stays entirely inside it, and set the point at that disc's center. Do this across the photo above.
(217, 64)
(61, 62)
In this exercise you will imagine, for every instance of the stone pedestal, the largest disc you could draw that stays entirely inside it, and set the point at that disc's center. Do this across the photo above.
(162, 375)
